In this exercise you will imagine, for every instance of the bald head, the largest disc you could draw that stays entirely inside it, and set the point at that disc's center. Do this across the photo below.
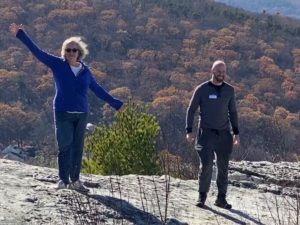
(217, 63)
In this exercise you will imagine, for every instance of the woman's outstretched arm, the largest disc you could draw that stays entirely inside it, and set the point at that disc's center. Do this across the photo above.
(46, 58)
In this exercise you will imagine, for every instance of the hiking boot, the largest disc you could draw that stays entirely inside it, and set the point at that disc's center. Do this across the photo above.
(222, 203)
(201, 200)
(61, 185)
(78, 186)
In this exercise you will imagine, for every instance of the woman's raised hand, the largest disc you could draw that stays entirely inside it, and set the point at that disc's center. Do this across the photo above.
(13, 28)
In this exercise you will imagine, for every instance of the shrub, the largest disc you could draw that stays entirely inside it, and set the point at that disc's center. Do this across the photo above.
(127, 146)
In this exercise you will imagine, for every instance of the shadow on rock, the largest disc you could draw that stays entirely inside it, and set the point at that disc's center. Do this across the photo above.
(246, 216)
(130, 212)
(233, 219)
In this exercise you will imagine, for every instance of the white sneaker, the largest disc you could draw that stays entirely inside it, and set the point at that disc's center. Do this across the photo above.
(78, 186)
(61, 185)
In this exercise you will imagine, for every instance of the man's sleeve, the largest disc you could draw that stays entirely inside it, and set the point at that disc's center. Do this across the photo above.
(233, 116)
(193, 106)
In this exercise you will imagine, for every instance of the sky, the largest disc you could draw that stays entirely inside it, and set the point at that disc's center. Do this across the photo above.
(290, 8)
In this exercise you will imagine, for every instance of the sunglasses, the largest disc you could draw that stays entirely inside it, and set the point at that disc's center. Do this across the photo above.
(71, 50)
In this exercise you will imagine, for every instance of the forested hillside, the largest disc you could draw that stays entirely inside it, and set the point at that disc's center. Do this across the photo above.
(156, 52)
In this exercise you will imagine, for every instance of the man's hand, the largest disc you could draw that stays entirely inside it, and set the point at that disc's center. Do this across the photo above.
(189, 138)
(236, 139)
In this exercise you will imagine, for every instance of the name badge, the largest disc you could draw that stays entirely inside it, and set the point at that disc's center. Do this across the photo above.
(212, 97)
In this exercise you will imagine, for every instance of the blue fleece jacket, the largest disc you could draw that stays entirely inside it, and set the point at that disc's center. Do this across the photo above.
(71, 90)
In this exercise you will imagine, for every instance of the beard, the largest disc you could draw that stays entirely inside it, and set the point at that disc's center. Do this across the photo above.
(219, 78)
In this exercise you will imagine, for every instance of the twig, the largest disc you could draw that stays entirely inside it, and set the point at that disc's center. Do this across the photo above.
(158, 201)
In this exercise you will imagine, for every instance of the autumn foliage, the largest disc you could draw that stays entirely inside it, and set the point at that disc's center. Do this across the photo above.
(156, 52)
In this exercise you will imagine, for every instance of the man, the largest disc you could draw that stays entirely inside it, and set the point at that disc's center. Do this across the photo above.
(217, 110)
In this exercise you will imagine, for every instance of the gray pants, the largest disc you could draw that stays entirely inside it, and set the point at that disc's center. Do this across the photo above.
(212, 141)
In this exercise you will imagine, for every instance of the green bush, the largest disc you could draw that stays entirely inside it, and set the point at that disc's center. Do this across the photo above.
(127, 146)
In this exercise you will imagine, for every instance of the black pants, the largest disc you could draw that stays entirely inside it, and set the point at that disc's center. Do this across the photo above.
(212, 141)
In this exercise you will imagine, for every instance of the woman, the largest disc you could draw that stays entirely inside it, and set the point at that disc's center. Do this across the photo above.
(72, 80)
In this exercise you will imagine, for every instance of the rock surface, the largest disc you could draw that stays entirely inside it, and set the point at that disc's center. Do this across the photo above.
(28, 195)
(17, 154)
(278, 178)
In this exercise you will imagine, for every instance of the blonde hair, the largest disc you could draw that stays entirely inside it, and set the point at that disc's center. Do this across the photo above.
(82, 47)
(217, 63)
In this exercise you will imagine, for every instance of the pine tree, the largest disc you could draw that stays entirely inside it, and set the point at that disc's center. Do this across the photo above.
(127, 146)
